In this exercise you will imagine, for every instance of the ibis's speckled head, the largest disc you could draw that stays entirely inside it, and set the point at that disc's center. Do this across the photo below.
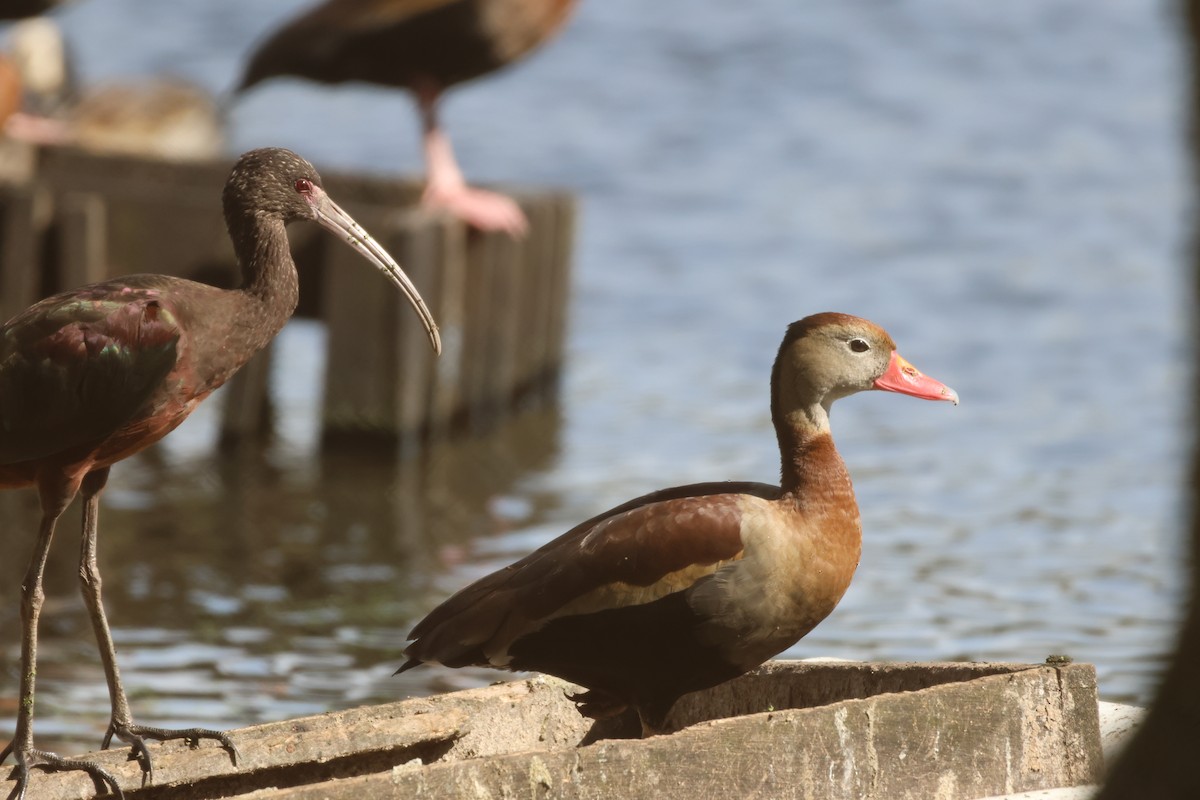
(278, 184)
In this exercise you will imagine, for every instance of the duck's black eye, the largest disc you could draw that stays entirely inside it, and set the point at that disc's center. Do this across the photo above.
(304, 186)
(859, 345)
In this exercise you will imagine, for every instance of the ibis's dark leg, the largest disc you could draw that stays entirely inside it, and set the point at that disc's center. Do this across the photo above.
(121, 724)
(56, 495)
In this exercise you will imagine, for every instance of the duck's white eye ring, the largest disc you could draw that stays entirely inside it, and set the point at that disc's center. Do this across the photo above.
(859, 345)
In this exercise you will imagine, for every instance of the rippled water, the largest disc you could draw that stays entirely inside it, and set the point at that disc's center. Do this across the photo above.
(1001, 185)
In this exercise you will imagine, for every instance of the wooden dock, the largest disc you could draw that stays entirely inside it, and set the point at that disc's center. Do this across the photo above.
(69, 218)
(836, 731)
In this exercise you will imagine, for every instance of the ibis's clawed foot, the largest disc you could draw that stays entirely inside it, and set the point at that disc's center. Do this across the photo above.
(136, 735)
(481, 209)
(28, 758)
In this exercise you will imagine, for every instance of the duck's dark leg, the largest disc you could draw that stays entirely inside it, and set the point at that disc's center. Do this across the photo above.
(56, 495)
(121, 724)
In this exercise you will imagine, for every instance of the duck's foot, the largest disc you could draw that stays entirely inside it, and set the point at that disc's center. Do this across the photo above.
(31, 758)
(481, 209)
(136, 735)
(597, 705)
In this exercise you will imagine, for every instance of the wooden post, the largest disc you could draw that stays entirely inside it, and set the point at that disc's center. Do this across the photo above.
(415, 242)
(380, 366)
(563, 232)
(480, 306)
(448, 391)
(24, 216)
(83, 240)
(533, 337)
(247, 413)
(358, 398)
(508, 303)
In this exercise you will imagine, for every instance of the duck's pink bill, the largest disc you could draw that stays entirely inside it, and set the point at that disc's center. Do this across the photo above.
(904, 378)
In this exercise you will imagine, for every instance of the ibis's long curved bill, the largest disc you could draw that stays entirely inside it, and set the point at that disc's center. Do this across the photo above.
(331, 215)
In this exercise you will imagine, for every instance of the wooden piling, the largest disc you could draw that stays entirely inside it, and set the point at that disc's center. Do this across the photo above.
(25, 212)
(380, 373)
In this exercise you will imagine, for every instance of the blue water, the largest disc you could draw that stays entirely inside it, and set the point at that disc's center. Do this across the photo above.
(1002, 186)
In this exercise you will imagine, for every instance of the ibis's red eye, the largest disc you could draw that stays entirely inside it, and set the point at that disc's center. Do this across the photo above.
(304, 186)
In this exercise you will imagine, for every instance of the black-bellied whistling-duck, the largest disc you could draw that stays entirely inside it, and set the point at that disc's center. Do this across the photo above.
(688, 587)
(424, 46)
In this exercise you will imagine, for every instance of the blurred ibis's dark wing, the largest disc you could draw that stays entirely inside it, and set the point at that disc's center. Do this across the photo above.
(348, 40)
(20, 9)
(405, 42)
(75, 367)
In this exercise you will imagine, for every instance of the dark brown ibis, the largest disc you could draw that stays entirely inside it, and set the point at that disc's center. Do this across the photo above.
(685, 588)
(92, 376)
(425, 46)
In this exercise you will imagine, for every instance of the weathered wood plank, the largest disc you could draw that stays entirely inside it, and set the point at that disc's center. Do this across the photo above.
(307, 750)
(788, 684)
(1003, 733)
(906, 731)
(68, 170)
(382, 191)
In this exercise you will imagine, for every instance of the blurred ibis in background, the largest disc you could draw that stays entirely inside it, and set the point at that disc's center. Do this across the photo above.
(685, 588)
(94, 375)
(155, 116)
(424, 46)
